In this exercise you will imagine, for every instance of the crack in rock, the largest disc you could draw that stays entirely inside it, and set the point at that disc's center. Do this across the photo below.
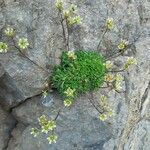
(134, 117)
(10, 136)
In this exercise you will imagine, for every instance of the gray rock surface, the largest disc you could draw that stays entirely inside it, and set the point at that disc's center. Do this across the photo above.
(78, 127)
(1, 70)
(7, 123)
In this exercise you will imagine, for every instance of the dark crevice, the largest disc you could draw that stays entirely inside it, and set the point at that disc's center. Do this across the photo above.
(16, 122)
(22, 102)
(10, 135)
(145, 95)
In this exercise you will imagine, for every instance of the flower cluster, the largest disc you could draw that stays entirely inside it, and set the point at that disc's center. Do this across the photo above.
(69, 14)
(44, 93)
(3, 47)
(52, 138)
(45, 127)
(67, 102)
(107, 111)
(109, 23)
(9, 32)
(109, 77)
(23, 43)
(69, 94)
(130, 61)
(70, 11)
(108, 65)
(74, 20)
(71, 55)
(59, 5)
(118, 82)
(35, 132)
(122, 45)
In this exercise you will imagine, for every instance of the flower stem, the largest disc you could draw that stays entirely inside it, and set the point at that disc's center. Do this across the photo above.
(99, 44)
(14, 44)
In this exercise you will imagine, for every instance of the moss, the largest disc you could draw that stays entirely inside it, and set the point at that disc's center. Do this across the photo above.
(84, 73)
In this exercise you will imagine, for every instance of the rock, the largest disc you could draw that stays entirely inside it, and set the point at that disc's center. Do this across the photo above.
(7, 123)
(10, 95)
(21, 80)
(78, 127)
(1, 70)
(14, 141)
(138, 103)
(139, 138)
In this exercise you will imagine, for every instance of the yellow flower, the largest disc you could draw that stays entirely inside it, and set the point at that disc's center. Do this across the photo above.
(66, 13)
(67, 102)
(72, 8)
(74, 20)
(117, 86)
(109, 78)
(34, 132)
(9, 31)
(71, 55)
(45, 93)
(110, 113)
(118, 81)
(103, 117)
(42, 120)
(109, 23)
(23, 43)
(69, 92)
(122, 45)
(3, 47)
(103, 102)
(52, 138)
(50, 125)
(130, 61)
(109, 65)
(103, 99)
(118, 77)
(59, 5)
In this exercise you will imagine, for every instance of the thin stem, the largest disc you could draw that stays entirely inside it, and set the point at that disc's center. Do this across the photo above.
(91, 100)
(114, 56)
(57, 114)
(117, 70)
(119, 91)
(68, 37)
(63, 28)
(14, 44)
(101, 39)
(119, 53)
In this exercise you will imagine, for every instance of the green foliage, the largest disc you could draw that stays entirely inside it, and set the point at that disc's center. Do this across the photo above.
(78, 72)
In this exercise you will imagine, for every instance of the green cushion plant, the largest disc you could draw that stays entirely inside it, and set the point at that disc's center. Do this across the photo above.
(78, 72)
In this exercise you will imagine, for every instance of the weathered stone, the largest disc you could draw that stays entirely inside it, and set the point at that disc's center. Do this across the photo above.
(21, 80)
(1, 70)
(139, 139)
(10, 95)
(7, 123)
(78, 127)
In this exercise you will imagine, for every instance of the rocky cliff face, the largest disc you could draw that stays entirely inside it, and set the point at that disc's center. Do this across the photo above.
(21, 81)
